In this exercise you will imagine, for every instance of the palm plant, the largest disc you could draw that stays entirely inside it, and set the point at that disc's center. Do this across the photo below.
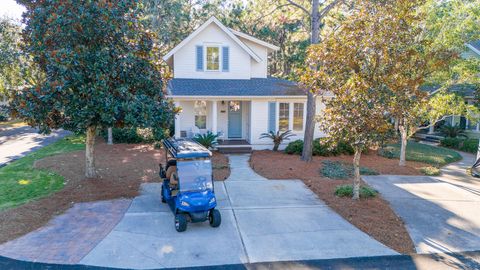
(208, 139)
(453, 131)
(277, 137)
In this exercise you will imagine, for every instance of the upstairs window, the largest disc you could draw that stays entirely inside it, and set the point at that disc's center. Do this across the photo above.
(213, 58)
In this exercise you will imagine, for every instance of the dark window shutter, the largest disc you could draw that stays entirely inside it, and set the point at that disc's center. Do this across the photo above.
(272, 116)
(199, 58)
(225, 59)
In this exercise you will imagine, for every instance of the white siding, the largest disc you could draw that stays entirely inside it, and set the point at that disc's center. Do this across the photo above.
(254, 120)
(258, 69)
(185, 59)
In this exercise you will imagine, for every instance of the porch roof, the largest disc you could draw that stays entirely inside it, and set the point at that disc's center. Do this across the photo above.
(252, 87)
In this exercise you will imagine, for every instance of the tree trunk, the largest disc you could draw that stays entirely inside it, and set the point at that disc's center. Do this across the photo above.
(311, 97)
(403, 146)
(110, 136)
(309, 127)
(89, 153)
(356, 168)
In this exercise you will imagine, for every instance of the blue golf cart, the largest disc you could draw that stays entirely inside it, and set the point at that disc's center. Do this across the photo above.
(188, 183)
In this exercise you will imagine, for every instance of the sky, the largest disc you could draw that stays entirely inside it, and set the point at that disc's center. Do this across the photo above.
(11, 9)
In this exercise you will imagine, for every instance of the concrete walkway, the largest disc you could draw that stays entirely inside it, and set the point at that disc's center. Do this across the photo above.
(441, 213)
(19, 141)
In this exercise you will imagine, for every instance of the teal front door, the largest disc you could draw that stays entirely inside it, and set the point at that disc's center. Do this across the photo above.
(234, 119)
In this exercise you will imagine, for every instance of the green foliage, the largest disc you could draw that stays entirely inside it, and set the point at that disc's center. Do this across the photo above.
(295, 147)
(21, 182)
(103, 69)
(277, 137)
(3, 114)
(466, 145)
(453, 131)
(430, 171)
(342, 170)
(451, 142)
(208, 139)
(470, 146)
(129, 135)
(420, 152)
(347, 191)
(321, 147)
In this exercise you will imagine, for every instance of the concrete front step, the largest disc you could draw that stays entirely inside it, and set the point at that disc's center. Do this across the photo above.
(235, 150)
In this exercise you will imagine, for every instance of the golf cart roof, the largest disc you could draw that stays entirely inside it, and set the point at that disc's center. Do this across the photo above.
(185, 148)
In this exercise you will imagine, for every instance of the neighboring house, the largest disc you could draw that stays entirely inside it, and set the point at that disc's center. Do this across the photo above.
(220, 82)
(467, 91)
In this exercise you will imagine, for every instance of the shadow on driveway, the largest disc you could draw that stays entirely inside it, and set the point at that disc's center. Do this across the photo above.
(440, 216)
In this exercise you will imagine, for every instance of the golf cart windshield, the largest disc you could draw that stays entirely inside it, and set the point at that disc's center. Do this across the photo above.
(195, 175)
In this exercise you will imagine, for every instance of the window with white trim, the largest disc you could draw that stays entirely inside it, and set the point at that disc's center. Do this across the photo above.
(298, 116)
(200, 109)
(213, 58)
(283, 116)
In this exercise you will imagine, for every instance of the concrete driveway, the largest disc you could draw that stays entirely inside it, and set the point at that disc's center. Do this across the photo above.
(19, 141)
(442, 214)
(262, 220)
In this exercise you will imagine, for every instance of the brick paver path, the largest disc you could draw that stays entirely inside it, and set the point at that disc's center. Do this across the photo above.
(69, 237)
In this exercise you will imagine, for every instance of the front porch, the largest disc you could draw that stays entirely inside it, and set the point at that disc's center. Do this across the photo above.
(229, 119)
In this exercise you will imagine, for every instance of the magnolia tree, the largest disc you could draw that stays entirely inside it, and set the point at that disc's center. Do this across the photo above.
(100, 66)
(348, 65)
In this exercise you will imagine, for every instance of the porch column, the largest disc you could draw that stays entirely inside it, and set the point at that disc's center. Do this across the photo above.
(177, 121)
(214, 117)
(431, 129)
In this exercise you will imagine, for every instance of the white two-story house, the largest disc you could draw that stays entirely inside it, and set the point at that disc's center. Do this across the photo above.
(221, 84)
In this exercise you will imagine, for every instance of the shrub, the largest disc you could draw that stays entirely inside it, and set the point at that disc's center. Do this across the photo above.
(295, 147)
(3, 113)
(470, 145)
(430, 171)
(347, 191)
(453, 131)
(320, 148)
(341, 170)
(130, 135)
(451, 142)
(208, 139)
(277, 137)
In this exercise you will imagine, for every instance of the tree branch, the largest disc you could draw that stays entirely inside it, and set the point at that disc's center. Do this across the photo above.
(300, 7)
(433, 122)
(329, 7)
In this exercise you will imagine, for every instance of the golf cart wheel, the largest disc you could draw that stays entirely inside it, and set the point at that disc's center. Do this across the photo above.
(180, 222)
(215, 218)
(162, 195)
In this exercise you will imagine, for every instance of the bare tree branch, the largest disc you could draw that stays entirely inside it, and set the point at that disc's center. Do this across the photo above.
(300, 7)
(269, 13)
(329, 7)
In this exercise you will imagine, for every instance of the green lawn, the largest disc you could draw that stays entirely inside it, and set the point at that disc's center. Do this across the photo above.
(20, 182)
(433, 155)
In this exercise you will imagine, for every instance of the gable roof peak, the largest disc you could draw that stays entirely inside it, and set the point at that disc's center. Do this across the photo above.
(223, 28)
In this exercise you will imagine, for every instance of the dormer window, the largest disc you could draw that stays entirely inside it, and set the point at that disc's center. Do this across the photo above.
(213, 58)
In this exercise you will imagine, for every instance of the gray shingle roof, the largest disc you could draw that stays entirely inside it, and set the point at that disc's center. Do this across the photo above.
(465, 90)
(475, 44)
(252, 87)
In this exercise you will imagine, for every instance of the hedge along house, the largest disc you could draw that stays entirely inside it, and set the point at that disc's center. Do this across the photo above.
(221, 84)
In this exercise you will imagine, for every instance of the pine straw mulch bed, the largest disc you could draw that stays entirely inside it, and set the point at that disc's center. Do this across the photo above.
(373, 216)
(121, 168)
